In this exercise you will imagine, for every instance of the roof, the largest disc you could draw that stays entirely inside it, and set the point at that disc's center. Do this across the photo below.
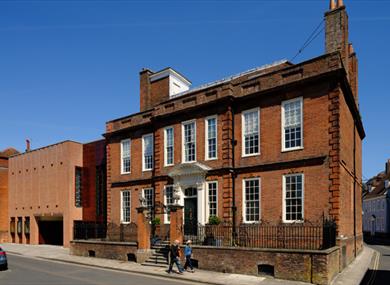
(8, 152)
(260, 69)
(47, 146)
(230, 78)
(260, 80)
(380, 189)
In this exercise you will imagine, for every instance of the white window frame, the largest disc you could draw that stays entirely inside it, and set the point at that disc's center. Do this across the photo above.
(166, 145)
(244, 200)
(143, 152)
(143, 194)
(122, 165)
(206, 124)
(284, 198)
(166, 221)
(183, 141)
(208, 198)
(121, 209)
(243, 131)
(284, 103)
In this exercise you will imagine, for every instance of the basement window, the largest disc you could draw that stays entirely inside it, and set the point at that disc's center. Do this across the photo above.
(265, 270)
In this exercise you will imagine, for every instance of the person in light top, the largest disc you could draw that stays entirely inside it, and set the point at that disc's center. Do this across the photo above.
(188, 254)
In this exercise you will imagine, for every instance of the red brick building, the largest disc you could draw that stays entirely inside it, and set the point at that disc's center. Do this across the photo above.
(280, 144)
(52, 187)
(4, 156)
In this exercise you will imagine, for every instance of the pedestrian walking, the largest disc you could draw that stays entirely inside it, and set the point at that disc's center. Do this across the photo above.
(174, 254)
(188, 254)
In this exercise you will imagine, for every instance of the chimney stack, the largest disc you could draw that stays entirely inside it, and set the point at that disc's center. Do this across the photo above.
(340, 3)
(387, 167)
(332, 5)
(160, 86)
(28, 145)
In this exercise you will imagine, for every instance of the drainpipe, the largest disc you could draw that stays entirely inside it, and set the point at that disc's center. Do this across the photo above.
(354, 186)
(233, 173)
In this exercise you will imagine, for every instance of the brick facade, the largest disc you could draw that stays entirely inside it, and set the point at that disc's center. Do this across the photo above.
(4, 225)
(42, 190)
(330, 158)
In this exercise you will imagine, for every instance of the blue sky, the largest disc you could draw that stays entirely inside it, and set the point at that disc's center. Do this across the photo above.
(67, 67)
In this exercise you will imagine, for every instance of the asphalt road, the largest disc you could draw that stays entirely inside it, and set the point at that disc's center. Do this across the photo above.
(30, 271)
(379, 274)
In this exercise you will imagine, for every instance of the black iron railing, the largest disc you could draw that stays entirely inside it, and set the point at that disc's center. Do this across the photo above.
(287, 236)
(89, 230)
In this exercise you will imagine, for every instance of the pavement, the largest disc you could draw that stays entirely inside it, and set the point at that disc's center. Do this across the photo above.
(379, 271)
(352, 275)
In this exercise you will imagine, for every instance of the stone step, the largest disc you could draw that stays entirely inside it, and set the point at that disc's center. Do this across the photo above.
(155, 265)
(163, 254)
(159, 256)
(160, 247)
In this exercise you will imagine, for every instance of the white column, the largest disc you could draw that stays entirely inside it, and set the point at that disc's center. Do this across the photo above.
(201, 202)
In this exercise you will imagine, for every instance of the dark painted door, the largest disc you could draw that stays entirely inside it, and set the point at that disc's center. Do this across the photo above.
(190, 216)
(51, 232)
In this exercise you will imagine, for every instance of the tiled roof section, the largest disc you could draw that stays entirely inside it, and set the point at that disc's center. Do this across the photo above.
(379, 189)
(8, 152)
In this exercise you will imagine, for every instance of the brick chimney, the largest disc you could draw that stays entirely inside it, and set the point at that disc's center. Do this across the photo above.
(144, 89)
(336, 39)
(387, 167)
(157, 87)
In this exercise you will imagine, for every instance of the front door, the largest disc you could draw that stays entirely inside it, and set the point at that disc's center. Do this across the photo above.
(190, 211)
(373, 225)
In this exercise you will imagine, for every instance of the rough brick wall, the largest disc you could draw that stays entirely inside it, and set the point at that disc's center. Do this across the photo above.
(93, 156)
(316, 144)
(42, 184)
(110, 250)
(315, 126)
(307, 266)
(4, 224)
(316, 195)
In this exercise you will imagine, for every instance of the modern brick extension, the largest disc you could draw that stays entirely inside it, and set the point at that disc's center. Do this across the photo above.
(53, 186)
(4, 226)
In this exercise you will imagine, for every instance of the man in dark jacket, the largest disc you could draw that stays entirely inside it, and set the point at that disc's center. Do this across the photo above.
(174, 254)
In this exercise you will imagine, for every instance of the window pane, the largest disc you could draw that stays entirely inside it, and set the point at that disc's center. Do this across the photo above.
(125, 206)
(292, 124)
(251, 132)
(78, 186)
(168, 200)
(211, 138)
(125, 156)
(189, 142)
(252, 200)
(169, 146)
(212, 197)
(148, 152)
(294, 197)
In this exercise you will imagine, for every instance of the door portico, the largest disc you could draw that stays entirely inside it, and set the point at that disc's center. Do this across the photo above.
(188, 176)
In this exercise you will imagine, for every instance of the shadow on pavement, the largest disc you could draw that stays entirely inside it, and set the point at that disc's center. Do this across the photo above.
(376, 277)
(377, 241)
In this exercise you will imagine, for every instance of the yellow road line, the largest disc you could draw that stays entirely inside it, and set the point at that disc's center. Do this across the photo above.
(375, 268)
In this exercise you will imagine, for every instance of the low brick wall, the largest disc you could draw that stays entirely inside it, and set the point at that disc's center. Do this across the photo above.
(347, 249)
(3, 236)
(127, 251)
(315, 266)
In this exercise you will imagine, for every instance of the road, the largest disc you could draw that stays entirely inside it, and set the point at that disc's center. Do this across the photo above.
(379, 274)
(23, 271)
